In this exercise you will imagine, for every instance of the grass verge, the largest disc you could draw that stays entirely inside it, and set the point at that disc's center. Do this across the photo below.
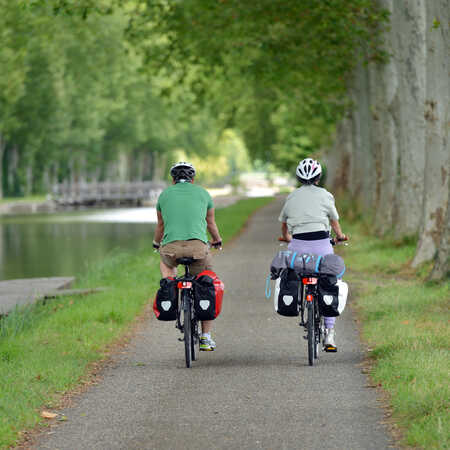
(46, 349)
(404, 321)
(30, 199)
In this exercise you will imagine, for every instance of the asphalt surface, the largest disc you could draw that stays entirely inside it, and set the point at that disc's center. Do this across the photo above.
(256, 391)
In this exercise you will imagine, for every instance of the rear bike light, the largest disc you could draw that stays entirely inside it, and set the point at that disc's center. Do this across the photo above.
(309, 280)
(309, 298)
(184, 285)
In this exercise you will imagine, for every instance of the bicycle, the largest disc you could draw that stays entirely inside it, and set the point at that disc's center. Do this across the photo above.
(314, 325)
(186, 321)
(309, 302)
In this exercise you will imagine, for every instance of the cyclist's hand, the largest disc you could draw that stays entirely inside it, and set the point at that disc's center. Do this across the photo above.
(336, 240)
(217, 244)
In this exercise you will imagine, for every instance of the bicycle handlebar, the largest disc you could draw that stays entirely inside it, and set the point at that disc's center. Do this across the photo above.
(216, 245)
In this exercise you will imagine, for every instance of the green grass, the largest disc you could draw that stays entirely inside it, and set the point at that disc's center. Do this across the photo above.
(404, 321)
(45, 350)
(31, 198)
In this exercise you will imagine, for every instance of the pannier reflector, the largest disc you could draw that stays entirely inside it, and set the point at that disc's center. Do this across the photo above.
(204, 304)
(288, 299)
(165, 305)
(328, 299)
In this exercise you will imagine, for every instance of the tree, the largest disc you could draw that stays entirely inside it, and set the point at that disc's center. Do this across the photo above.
(434, 224)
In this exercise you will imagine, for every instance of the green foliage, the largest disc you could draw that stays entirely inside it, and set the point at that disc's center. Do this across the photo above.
(277, 70)
(76, 101)
(90, 83)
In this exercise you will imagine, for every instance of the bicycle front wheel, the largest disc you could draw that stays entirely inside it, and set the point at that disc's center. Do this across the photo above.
(187, 329)
(311, 333)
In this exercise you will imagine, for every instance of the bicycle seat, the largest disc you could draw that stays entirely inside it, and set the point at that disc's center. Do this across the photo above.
(186, 260)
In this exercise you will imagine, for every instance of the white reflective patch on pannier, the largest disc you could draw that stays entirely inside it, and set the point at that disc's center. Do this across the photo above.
(343, 294)
(288, 299)
(166, 305)
(328, 299)
(276, 292)
(204, 304)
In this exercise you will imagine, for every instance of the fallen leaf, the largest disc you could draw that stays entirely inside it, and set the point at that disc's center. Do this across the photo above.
(48, 415)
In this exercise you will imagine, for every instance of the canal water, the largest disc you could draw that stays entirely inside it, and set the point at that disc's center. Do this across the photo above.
(65, 244)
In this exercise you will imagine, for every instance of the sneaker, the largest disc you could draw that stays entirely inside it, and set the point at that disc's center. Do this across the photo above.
(207, 344)
(329, 344)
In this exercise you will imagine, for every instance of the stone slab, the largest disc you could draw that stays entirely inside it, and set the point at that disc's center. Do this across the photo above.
(28, 290)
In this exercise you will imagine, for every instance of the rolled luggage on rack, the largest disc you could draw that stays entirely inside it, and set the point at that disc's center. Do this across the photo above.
(286, 268)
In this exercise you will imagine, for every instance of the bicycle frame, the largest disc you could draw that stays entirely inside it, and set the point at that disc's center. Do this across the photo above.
(189, 325)
(314, 324)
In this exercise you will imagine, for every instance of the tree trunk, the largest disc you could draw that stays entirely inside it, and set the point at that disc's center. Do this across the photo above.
(151, 164)
(29, 179)
(441, 266)
(13, 165)
(408, 25)
(362, 173)
(338, 158)
(2, 151)
(384, 104)
(437, 168)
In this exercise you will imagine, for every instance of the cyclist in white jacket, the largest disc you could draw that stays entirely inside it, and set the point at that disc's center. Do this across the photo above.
(306, 217)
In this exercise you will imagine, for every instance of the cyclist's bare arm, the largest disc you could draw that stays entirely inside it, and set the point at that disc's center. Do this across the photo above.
(159, 230)
(212, 227)
(337, 230)
(285, 235)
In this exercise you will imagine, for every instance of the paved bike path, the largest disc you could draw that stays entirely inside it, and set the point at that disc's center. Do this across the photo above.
(255, 392)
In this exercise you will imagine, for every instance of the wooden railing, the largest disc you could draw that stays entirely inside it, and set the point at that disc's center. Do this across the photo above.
(145, 192)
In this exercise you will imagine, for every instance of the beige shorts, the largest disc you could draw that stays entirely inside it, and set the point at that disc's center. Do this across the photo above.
(193, 248)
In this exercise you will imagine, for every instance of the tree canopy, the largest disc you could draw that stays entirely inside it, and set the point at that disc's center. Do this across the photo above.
(89, 82)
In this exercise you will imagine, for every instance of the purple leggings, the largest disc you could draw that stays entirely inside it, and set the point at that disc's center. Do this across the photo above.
(320, 247)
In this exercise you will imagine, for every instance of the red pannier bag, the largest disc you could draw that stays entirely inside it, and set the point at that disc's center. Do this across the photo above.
(208, 294)
(165, 305)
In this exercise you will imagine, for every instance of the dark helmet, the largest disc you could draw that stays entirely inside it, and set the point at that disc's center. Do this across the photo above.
(182, 171)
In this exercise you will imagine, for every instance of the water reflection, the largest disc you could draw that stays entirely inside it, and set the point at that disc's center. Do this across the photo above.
(65, 244)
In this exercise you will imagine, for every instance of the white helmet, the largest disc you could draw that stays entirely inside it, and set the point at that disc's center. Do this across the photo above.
(182, 171)
(308, 170)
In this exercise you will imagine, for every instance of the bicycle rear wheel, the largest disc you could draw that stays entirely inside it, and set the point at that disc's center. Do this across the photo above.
(311, 333)
(194, 340)
(316, 331)
(187, 329)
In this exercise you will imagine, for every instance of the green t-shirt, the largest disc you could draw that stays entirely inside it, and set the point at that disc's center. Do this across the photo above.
(183, 207)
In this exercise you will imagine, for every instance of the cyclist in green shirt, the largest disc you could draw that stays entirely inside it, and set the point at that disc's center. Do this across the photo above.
(185, 212)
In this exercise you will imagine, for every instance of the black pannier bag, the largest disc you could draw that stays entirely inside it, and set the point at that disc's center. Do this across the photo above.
(286, 300)
(165, 305)
(208, 294)
(328, 290)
